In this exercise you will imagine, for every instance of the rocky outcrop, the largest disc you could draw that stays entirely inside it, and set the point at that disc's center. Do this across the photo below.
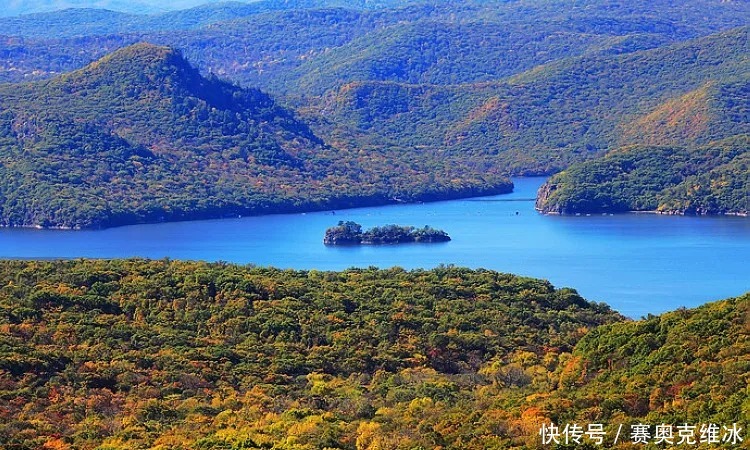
(543, 197)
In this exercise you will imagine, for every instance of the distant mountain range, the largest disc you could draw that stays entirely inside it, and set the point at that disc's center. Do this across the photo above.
(543, 120)
(23, 7)
(19, 7)
(438, 41)
(443, 97)
(155, 7)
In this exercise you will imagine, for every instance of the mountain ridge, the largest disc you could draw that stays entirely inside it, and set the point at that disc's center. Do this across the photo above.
(259, 39)
(543, 120)
(141, 136)
(590, 83)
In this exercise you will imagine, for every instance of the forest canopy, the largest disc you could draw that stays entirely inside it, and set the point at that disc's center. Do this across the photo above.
(711, 179)
(186, 355)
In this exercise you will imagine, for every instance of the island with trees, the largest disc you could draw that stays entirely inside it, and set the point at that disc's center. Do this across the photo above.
(350, 233)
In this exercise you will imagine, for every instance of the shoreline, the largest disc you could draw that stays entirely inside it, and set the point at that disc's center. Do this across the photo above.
(382, 201)
(654, 212)
(390, 202)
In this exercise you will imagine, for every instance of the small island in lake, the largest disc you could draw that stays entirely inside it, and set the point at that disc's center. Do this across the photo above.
(350, 233)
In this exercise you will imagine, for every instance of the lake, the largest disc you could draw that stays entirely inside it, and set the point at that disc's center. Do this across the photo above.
(637, 263)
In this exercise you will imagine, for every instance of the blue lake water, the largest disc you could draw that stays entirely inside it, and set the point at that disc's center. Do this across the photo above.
(637, 263)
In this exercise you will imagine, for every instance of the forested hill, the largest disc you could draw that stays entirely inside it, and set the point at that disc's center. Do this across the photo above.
(671, 168)
(687, 366)
(141, 136)
(439, 99)
(711, 179)
(542, 120)
(182, 355)
(260, 44)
